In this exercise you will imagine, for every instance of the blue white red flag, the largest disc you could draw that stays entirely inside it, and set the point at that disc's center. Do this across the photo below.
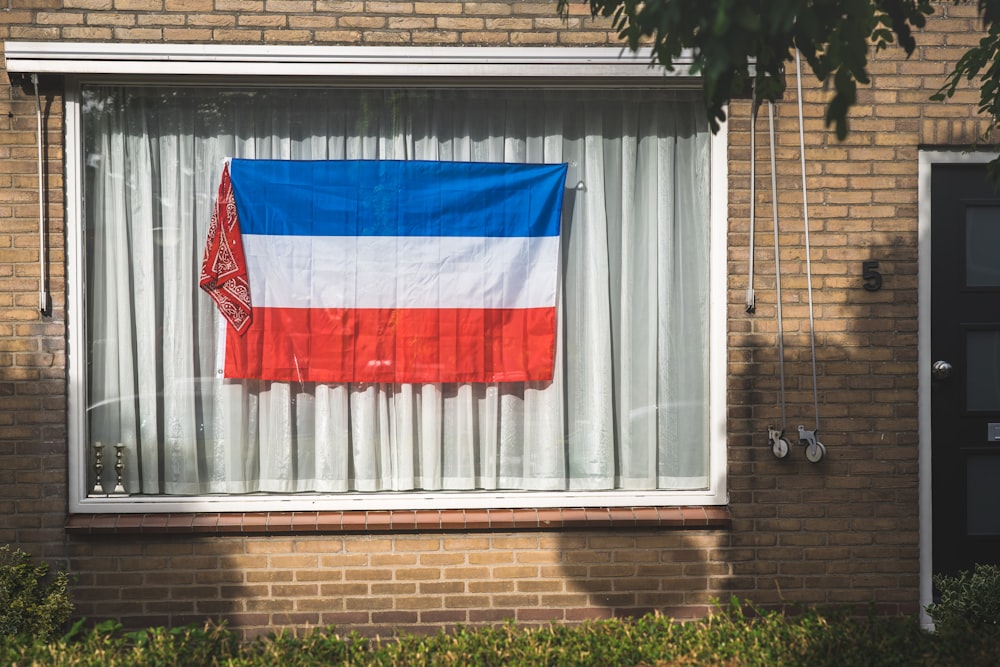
(387, 271)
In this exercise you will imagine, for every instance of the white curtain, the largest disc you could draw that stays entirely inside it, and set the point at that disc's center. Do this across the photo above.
(627, 409)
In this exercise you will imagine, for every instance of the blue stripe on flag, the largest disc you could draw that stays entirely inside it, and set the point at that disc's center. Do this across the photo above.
(397, 198)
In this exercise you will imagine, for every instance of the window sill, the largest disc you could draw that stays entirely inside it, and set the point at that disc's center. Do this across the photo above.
(264, 523)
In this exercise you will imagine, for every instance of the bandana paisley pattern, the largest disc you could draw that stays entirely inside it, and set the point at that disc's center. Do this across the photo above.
(223, 267)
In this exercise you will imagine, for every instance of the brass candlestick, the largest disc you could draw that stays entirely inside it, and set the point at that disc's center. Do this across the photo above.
(119, 471)
(98, 489)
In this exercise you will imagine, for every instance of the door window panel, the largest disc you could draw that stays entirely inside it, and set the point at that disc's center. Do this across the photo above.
(983, 494)
(982, 246)
(983, 371)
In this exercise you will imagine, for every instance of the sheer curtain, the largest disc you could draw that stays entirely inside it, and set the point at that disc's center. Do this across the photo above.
(627, 408)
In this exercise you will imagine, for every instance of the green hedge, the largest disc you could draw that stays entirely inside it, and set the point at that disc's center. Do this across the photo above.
(35, 606)
(33, 601)
(968, 598)
(735, 635)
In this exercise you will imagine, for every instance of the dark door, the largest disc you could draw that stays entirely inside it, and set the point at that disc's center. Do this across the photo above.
(965, 385)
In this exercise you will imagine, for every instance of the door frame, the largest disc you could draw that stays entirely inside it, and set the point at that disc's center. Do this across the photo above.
(926, 159)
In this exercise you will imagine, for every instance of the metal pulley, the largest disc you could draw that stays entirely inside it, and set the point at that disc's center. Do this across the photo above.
(779, 444)
(815, 451)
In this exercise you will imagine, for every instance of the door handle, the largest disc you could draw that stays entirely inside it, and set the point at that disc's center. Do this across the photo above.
(941, 370)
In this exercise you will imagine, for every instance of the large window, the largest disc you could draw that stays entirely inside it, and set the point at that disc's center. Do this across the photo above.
(627, 412)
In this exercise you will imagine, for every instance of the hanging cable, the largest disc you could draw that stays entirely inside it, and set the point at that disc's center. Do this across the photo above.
(805, 217)
(43, 296)
(815, 451)
(755, 105)
(777, 262)
(776, 436)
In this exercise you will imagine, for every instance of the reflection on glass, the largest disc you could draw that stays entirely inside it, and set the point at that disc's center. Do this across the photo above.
(983, 494)
(982, 246)
(983, 371)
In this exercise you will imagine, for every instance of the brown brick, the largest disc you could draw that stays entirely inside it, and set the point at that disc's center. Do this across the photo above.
(90, 5)
(288, 6)
(138, 34)
(139, 5)
(213, 21)
(188, 5)
(236, 35)
(312, 22)
(434, 37)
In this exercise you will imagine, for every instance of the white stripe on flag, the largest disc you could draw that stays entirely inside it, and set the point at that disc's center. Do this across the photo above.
(402, 271)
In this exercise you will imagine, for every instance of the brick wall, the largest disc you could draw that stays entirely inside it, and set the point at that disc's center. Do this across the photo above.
(32, 346)
(371, 583)
(843, 531)
(846, 530)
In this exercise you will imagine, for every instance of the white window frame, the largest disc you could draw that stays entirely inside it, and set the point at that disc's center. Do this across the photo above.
(351, 66)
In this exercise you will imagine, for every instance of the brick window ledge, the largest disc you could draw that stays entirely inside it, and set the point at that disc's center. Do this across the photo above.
(263, 523)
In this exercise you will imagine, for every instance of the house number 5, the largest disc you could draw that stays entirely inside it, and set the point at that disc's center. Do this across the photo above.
(872, 278)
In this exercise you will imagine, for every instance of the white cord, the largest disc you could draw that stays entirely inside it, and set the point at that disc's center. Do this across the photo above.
(777, 262)
(43, 296)
(751, 296)
(805, 217)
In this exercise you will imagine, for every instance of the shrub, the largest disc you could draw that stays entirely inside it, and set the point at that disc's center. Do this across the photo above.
(31, 602)
(968, 598)
(736, 635)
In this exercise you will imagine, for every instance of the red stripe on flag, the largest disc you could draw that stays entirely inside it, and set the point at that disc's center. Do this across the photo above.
(394, 345)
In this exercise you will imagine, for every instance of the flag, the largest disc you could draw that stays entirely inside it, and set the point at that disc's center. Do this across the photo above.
(388, 271)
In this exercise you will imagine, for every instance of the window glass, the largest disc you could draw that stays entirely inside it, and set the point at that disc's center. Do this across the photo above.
(627, 407)
(982, 391)
(982, 494)
(982, 241)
